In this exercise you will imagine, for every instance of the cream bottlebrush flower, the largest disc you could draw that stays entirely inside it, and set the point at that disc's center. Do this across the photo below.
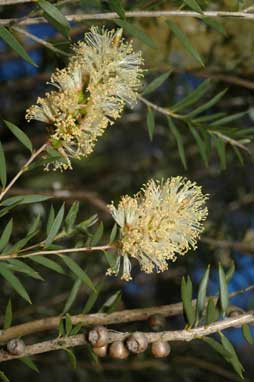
(102, 76)
(159, 223)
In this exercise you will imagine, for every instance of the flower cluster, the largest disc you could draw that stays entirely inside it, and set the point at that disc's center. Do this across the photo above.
(103, 75)
(162, 221)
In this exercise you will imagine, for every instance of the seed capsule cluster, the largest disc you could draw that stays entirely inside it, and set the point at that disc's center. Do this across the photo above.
(136, 343)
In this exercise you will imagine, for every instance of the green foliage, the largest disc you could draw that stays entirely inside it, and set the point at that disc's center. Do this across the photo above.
(186, 296)
(7, 36)
(55, 17)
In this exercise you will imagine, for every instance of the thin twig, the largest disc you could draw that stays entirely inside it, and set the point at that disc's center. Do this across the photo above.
(124, 316)
(174, 335)
(159, 109)
(245, 248)
(133, 14)
(41, 41)
(57, 252)
(24, 168)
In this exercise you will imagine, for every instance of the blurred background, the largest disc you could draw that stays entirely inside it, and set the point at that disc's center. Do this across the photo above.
(124, 159)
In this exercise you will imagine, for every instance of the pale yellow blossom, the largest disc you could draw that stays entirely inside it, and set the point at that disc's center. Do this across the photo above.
(164, 220)
(102, 76)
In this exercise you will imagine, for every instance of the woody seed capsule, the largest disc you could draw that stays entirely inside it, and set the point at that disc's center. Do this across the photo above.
(160, 349)
(98, 336)
(137, 343)
(16, 346)
(118, 350)
(101, 351)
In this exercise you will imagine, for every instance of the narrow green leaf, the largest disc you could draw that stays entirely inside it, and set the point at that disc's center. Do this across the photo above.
(239, 155)
(230, 273)
(116, 6)
(185, 41)
(29, 363)
(93, 297)
(68, 324)
(72, 216)
(191, 98)
(5, 237)
(221, 150)
(20, 135)
(136, 32)
(186, 296)
(9, 276)
(72, 296)
(201, 145)
(72, 357)
(156, 83)
(179, 142)
(19, 266)
(223, 289)
(150, 123)
(212, 313)
(111, 258)
(113, 233)
(233, 358)
(215, 24)
(247, 333)
(51, 219)
(98, 235)
(111, 303)
(217, 347)
(4, 377)
(10, 40)
(3, 175)
(76, 329)
(227, 119)
(193, 4)
(76, 269)
(55, 226)
(206, 105)
(202, 289)
(8, 315)
(52, 13)
(25, 199)
(88, 222)
(48, 263)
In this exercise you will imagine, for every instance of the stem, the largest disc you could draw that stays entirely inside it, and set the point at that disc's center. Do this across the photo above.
(159, 109)
(57, 252)
(172, 335)
(124, 316)
(133, 14)
(34, 155)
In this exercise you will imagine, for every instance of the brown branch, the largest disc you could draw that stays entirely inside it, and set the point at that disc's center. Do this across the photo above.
(124, 316)
(133, 14)
(244, 247)
(24, 168)
(174, 335)
(90, 196)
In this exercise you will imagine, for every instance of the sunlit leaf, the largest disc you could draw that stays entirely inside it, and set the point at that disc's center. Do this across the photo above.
(55, 226)
(11, 40)
(6, 234)
(179, 142)
(223, 289)
(184, 40)
(55, 17)
(8, 315)
(9, 276)
(202, 289)
(156, 83)
(78, 271)
(186, 296)
(136, 32)
(150, 123)
(20, 135)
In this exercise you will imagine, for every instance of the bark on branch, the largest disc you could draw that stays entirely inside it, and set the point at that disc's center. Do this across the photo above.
(174, 335)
